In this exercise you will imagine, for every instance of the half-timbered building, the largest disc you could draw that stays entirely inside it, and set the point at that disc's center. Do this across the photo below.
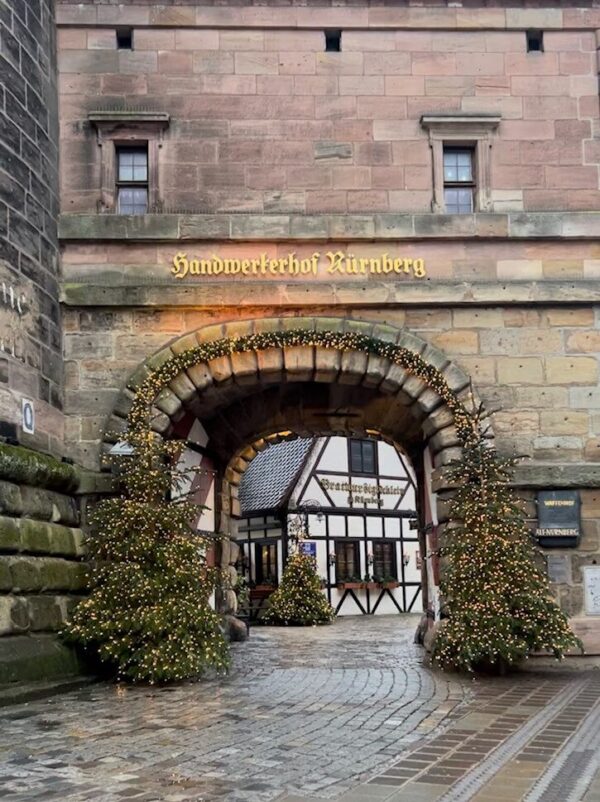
(352, 503)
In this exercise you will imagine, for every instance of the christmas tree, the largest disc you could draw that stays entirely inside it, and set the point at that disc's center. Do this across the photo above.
(496, 594)
(148, 614)
(299, 600)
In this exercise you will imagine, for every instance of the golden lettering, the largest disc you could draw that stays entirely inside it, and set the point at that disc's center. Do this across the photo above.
(332, 262)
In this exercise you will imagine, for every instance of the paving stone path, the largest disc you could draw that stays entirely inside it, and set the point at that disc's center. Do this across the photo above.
(347, 712)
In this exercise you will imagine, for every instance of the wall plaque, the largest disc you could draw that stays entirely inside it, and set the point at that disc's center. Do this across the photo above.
(559, 521)
(591, 586)
(559, 569)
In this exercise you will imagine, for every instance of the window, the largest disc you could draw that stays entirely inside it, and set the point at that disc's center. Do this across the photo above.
(459, 181)
(461, 147)
(333, 41)
(347, 561)
(362, 456)
(535, 41)
(130, 142)
(384, 561)
(132, 180)
(124, 38)
(266, 563)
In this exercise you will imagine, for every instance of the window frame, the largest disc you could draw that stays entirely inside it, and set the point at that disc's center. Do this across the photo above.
(131, 183)
(259, 577)
(128, 129)
(376, 544)
(458, 184)
(355, 545)
(462, 130)
(362, 472)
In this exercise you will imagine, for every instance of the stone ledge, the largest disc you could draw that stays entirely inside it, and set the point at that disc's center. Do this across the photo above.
(502, 16)
(27, 658)
(314, 228)
(107, 288)
(540, 475)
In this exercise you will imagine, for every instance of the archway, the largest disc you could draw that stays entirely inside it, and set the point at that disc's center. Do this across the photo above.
(248, 382)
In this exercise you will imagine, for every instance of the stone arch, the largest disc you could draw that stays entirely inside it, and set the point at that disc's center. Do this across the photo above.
(227, 378)
(396, 383)
(204, 386)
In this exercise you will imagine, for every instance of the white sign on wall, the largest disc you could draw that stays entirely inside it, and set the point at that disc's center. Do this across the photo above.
(27, 416)
(591, 584)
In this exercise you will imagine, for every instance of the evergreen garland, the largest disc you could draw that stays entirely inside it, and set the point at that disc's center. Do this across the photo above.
(495, 593)
(299, 599)
(148, 614)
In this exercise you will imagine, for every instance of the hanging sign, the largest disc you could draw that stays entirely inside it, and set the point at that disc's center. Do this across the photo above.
(291, 265)
(308, 547)
(559, 520)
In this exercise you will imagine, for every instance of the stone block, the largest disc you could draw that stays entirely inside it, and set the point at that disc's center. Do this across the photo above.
(11, 502)
(584, 397)
(299, 362)
(564, 422)
(524, 370)
(10, 536)
(571, 370)
(35, 536)
(25, 573)
(45, 614)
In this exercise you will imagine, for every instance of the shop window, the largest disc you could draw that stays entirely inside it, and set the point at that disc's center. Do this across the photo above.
(535, 41)
(461, 157)
(459, 181)
(124, 38)
(129, 146)
(384, 561)
(347, 561)
(333, 41)
(362, 456)
(266, 563)
(132, 180)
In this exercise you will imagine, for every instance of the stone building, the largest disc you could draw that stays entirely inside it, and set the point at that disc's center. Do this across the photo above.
(426, 174)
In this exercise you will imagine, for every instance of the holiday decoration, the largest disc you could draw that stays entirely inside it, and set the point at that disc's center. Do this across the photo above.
(496, 596)
(148, 614)
(299, 599)
(498, 605)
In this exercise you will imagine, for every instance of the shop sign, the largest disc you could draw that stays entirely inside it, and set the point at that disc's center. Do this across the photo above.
(332, 264)
(559, 520)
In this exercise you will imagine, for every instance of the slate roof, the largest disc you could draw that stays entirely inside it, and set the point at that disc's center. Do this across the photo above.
(272, 474)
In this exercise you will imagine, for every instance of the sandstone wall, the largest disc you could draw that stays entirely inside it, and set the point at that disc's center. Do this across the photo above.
(263, 119)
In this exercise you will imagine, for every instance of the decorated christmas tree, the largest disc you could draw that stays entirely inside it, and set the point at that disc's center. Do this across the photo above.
(299, 599)
(148, 614)
(497, 599)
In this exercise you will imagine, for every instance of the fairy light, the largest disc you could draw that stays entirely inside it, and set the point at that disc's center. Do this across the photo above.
(148, 612)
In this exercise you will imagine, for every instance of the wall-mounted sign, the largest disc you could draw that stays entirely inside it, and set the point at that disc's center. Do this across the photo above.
(559, 569)
(591, 585)
(330, 263)
(27, 416)
(559, 521)
(308, 547)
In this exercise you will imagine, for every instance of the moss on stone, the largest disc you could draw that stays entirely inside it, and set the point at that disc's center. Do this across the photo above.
(22, 465)
(35, 536)
(10, 535)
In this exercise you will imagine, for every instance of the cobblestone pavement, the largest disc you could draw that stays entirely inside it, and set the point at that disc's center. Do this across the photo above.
(347, 712)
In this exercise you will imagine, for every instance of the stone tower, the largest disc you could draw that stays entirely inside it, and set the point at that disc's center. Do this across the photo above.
(30, 336)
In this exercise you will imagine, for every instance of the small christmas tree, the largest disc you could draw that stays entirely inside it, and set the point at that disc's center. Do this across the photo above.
(497, 598)
(299, 600)
(148, 614)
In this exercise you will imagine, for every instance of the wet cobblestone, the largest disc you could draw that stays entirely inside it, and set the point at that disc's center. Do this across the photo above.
(348, 711)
